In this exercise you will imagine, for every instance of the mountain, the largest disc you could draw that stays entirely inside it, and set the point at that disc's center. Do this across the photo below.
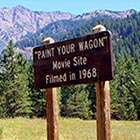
(25, 26)
(66, 25)
(126, 32)
(105, 14)
(18, 21)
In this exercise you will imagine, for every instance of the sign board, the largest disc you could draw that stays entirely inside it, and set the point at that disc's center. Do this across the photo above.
(81, 60)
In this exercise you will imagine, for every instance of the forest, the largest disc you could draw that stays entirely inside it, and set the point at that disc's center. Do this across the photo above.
(19, 97)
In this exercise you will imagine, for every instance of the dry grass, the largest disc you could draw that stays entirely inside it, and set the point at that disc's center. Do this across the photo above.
(23, 129)
(70, 129)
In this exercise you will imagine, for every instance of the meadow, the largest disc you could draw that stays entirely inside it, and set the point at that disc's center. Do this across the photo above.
(69, 129)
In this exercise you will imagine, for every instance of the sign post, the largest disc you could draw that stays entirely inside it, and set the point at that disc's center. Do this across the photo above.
(103, 117)
(51, 107)
(81, 60)
(103, 111)
(52, 114)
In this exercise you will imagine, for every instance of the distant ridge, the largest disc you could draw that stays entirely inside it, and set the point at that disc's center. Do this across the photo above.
(18, 21)
(106, 14)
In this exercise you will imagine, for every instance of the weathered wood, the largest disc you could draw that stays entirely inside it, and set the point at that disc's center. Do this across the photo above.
(52, 114)
(51, 107)
(84, 73)
(103, 116)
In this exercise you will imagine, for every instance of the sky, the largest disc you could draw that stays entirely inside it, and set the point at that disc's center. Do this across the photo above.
(73, 6)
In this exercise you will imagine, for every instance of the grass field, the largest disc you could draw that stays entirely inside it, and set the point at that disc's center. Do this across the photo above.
(70, 129)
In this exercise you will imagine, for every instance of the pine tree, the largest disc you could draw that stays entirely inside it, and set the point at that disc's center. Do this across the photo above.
(77, 103)
(14, 100)
(38, 102)
(125, 90)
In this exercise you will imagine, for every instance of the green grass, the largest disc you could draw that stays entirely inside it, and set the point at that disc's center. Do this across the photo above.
(126, 130)
(69, 129)
(0, 133)
(23, 129)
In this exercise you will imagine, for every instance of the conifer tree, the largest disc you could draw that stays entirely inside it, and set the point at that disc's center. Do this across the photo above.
(14, 96)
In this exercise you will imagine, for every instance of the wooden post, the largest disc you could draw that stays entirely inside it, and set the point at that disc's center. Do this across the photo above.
(103, 117)
(102, 88)
(51, 107)
(103, 111)
(52, 114)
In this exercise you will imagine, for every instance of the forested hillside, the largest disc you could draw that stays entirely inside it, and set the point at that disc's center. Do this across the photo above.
(20, 98)
(125, 32)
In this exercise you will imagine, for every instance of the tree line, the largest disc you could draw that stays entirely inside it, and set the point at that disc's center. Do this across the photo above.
(19, 97)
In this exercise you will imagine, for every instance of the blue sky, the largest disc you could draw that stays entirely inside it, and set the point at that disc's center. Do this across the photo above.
(73, 6)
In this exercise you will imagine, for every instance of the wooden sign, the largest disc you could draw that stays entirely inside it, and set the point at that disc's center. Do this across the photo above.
(85, 59)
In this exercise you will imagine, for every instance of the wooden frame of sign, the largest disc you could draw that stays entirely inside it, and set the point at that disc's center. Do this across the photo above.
(81, 60)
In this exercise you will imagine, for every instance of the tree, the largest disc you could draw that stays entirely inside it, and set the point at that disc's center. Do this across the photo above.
(38, 102)
(14, 97)
(92, 98)
(77, 103)
(125, 90)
